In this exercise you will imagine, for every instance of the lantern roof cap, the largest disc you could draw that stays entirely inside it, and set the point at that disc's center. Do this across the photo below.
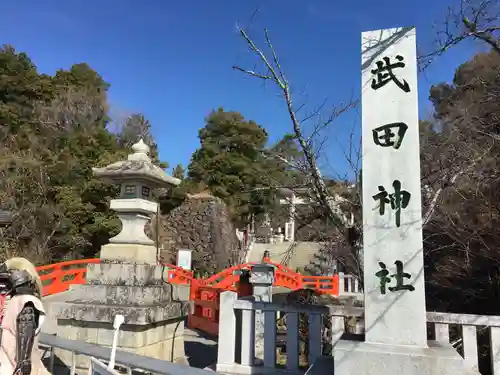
(137, 168)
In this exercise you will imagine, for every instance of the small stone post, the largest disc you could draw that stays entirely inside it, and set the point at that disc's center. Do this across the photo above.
(128, 280)
(184, 259)
(262, 278)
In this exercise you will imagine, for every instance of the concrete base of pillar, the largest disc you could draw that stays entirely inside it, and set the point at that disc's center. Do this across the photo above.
(361, 358)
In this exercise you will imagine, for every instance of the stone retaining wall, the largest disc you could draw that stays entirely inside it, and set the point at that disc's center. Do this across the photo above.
(201, 224)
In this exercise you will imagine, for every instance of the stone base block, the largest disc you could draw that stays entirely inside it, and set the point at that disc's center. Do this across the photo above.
(142, 254)
(125, 274)
(134, 315)
(121, 294)
(361, 358)
(130, 336)
(128, 295)
(162, 341)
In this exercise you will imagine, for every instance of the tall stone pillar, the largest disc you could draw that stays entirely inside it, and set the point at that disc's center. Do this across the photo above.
(395, 316)
(128, 281)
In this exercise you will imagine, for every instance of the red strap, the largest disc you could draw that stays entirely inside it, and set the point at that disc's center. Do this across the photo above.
(3, 297)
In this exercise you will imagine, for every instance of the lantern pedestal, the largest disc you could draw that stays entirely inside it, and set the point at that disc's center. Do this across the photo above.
(140, 254)
(134, 214)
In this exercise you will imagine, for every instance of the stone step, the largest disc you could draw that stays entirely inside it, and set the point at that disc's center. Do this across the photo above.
(50, 323)
(303, 253)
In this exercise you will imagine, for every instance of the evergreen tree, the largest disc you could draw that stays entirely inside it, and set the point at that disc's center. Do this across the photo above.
(229, 161)
(179, 172)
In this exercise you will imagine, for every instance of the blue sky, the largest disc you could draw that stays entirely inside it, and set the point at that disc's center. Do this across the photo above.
(171, 60)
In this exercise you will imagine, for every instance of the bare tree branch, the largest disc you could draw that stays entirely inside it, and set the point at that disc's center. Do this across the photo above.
(473, 19)
(273, 72)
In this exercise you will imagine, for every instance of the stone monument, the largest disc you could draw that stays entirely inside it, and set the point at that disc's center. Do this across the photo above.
(395, 315)
(128, 280)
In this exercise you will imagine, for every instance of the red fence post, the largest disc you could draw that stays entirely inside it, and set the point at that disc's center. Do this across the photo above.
(205, 314)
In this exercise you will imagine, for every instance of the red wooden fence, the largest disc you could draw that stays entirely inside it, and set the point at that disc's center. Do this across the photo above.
(205, 310)
(204, 292)
(57, 278)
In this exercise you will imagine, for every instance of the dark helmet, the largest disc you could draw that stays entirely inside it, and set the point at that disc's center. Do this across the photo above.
(15, 281)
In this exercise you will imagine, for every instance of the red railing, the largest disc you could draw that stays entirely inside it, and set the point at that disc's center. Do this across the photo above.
(57, 278)
(205, 310)
(204, 292)
(283, 277)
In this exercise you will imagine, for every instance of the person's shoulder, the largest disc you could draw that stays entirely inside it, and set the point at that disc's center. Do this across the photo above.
(22, 300)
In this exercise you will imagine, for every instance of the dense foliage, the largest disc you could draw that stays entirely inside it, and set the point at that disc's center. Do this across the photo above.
(462, 141)
(54, 130)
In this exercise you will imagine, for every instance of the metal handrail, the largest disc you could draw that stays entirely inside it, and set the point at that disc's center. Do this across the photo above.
(125, 359)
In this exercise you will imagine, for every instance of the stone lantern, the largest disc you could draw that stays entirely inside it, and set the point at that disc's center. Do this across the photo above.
(137, 177)
(128, 281)
(262, 279)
